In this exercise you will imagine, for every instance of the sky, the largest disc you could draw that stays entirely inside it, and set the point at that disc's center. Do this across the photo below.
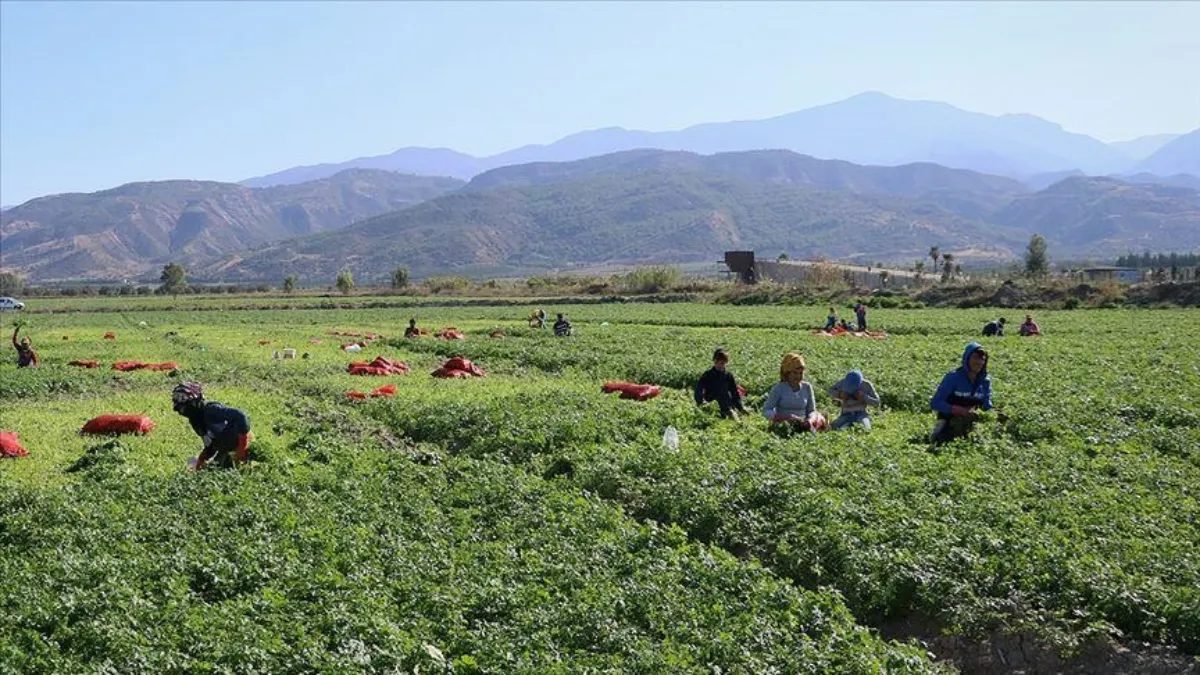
(94, 95)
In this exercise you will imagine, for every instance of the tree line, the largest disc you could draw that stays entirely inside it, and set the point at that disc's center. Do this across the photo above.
(1149, 260)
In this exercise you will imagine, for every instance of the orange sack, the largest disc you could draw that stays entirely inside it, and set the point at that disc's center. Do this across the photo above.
(382, 365)
(10, 445)
(111, 425)
(459, 367)
(632, 391)
(85, 364)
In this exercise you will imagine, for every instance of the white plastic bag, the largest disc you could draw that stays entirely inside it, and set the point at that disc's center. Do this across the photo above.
(353, 348)
(671, 439)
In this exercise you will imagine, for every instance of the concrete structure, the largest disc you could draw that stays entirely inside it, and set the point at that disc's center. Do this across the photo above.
(1126, 275)
(751, 270)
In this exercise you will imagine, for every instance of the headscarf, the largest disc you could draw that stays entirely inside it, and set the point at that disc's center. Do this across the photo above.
(792, 361)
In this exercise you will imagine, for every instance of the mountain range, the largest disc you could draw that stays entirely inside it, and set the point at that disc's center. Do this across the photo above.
(133, 229)
(615, 196)
(870, 129)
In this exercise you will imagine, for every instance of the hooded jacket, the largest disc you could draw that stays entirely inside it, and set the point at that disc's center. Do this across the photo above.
(218, 424)
(957, 389)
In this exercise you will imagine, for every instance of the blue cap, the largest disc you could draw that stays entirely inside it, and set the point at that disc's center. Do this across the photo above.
(851, 381)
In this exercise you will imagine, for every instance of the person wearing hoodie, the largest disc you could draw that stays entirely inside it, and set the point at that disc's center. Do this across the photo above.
(26, 357)
(994, 328)
(854, 394)
(960, 397)
(791, 401)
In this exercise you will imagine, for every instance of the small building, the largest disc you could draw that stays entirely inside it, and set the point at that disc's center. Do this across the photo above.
(1126, 275)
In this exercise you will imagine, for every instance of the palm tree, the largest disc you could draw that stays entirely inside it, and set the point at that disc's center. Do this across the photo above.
(934, 252)
(947, 267)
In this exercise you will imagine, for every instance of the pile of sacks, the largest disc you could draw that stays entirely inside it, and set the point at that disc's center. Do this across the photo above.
(382, 365)
(632, 391)
(839, 331)
(459, 367)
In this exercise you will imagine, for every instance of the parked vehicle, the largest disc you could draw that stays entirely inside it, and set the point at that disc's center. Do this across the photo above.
(11, 303)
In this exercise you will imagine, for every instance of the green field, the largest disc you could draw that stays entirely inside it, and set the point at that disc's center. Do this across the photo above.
(526, 522)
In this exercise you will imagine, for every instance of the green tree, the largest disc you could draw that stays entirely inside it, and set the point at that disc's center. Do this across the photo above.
(400, 278)
(883, 277)
(289, 283)
(1037, 258)
(173, 278)
(947, 266)
(934, 253)
(10, 284)
(345, 281)
(919, 269)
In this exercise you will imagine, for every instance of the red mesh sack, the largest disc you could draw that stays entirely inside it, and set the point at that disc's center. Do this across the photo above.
(632, 391)
(111, 425)
(10, 446)
(85, 364)
(357, 395)
(386, 390)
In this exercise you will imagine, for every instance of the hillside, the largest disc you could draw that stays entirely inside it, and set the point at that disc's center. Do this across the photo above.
(1181, 155)
(638, 216)
(133, 229)
(1105, 216)
(870, 128)
(1141, 148)
(967, 193)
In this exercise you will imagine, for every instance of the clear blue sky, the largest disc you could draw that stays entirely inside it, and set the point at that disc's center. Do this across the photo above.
(93, 95)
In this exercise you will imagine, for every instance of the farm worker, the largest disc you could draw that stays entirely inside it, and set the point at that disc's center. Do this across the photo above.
(860, 310)
(717, 384)
(1029, 327)
(831, 320)
(223, 429)
(537, 319)
(854, 394)
(26, 357)
(562, 327)
(845, 326)
(994, 328)
(412, 331)
(791, 400)
(962, 393)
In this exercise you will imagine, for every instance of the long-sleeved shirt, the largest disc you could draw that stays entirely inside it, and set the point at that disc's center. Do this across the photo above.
(783, 400)
(853, 404)
(1030, 328)
(720, 386)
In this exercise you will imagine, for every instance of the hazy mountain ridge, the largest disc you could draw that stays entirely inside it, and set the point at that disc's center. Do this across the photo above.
(869, 129)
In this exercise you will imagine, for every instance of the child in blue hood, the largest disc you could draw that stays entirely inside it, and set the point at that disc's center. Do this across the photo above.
(854, 394)
(962, 393)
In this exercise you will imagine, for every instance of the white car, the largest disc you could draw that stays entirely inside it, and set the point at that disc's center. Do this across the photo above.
(11, 303)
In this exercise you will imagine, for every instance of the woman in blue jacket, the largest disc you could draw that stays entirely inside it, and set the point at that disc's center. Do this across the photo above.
(961, 395)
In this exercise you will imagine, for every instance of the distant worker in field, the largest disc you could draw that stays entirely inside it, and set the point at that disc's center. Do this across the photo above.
(845, 326)
(225, 430)
(717, 384)
(562, 327)
(961, 396)
(994, 328)
(854, 394)
(538, 319)
(860, 311)
(1029, 327)
(26, 357)
(412, 331)
(831, 320)
(791, 401)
